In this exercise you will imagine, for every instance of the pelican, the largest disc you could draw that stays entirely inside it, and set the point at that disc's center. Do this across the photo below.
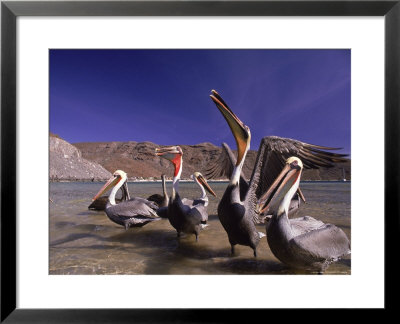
(304, 243)
(237, 208)
(191, 217)
(101, 202)
(202, 183)
(224, 166)
(161, 201)
(131, 213)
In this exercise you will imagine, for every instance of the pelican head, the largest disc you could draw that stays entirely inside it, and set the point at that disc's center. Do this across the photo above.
(240, 131)
(116, 178)
(198, 177)
(173, 154)
(284, 186)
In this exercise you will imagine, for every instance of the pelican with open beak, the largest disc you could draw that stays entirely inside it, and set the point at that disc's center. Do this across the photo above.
(135, 212)
(237, 209)
(304, 243)
(236, 216)
(186, 216)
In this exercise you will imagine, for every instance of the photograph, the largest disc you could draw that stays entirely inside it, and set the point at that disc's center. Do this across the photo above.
(199, 161)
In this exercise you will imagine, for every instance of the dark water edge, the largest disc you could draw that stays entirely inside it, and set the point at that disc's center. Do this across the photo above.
(87, 242)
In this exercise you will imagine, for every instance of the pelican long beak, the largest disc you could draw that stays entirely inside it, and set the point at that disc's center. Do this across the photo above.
(280, 187)
(109, 184)
(239, 130)
(301, 195)
(205, 184)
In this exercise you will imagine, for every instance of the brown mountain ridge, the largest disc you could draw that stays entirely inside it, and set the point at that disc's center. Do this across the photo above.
(138, 160)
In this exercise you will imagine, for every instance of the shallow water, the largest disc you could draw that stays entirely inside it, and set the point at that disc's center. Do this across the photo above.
(87, 242)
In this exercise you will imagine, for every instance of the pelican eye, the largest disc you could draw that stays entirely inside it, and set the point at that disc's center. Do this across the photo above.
(295, 164)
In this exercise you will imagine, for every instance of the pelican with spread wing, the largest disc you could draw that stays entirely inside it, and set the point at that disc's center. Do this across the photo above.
(237, 208)
(224, 167)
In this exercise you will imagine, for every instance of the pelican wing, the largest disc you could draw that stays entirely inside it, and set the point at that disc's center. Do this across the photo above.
(193, 202)
(305, 224)
(223, 167)
(272, 154)
(148, 203)
(132, 208)
(327, 242)
(157, 198)
(199, 214)
(187, 202)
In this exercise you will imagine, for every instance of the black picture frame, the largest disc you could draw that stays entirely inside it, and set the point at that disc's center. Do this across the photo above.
(10, 10)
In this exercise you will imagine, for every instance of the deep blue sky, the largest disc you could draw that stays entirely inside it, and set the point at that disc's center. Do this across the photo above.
(162, 96)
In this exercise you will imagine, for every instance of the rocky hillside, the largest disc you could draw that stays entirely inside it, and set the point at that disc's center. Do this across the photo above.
(67, 163)
(139, 161)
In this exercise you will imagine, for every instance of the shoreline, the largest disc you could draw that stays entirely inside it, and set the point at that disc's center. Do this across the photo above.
(182, 181)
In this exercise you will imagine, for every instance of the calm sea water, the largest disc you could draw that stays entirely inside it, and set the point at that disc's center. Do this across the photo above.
(87, 242)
